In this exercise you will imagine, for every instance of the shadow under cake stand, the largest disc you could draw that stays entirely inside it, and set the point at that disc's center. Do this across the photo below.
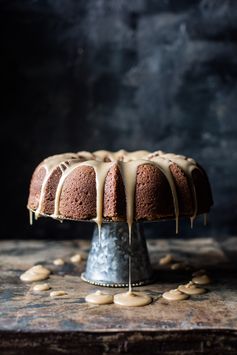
(108, 259)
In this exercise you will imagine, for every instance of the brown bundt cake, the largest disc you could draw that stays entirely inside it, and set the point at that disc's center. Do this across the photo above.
(119, 186)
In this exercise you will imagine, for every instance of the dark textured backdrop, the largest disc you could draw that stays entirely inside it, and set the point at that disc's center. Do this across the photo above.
(92, 74)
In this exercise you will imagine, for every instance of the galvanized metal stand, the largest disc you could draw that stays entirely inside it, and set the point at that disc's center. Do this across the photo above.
(108, 260)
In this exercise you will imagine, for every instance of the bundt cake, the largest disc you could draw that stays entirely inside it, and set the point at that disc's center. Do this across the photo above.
(117, 186)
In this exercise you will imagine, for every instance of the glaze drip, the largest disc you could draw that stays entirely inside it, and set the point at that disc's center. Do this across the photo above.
(35, 273)
(99, 297)
(132, 299)
(49, 165)
(129, 173)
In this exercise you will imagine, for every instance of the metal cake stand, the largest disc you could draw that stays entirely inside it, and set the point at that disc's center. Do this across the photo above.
(108, 259)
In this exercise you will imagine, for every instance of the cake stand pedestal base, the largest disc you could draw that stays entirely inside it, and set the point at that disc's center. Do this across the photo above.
(108, 259)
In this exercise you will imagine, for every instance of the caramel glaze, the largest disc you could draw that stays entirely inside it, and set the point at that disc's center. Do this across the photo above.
(99, 297)
(191, 289)
(128, 162)
(41, 287)
(175, 295)
(36, 273)
(132, 299)
(201, 279)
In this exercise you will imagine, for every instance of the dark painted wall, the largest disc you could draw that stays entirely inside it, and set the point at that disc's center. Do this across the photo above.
(86, 75)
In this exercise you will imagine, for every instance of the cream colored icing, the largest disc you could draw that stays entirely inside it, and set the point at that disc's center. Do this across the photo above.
(199, 272)
(99, 297)
(49, 165)
(35, 273)
(191, 289)
(101, 171)
(164, 165)
(132, 299)
(175, 295)
(166, 260)
(129, 172)
(201, 279)
(187, 165)
(58, 293)
(31, 217)
(41, 287)
(76, 259)
(178, 266)
(128, 163)
(59, 262)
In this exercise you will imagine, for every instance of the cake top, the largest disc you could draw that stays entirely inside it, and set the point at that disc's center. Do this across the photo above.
(109, 156)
